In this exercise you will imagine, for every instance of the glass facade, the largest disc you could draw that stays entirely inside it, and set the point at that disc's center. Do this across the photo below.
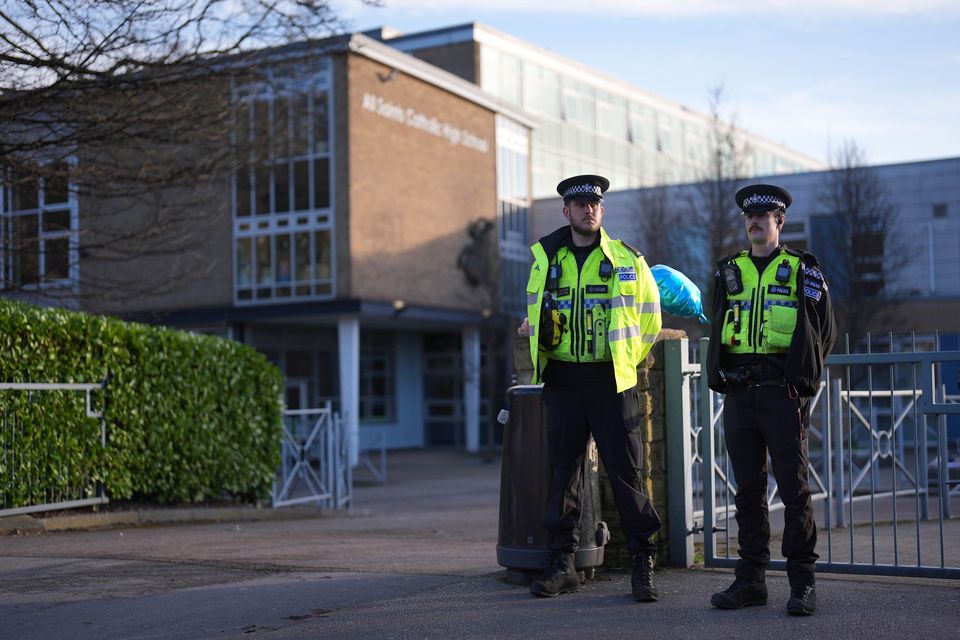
(513, 204)
(282, 193)
(583, 128)
(38, 227)
(378, 399)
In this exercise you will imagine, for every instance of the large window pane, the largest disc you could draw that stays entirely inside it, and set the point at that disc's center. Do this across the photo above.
(26, 250)
(321, 124)
(263, 190)
(243, 191)
(321, 183)
(261, 130)
(281, 120)
(56, 221)
(56, 259)
(301, 185)
(300, 133)
(281, 178)
(55, 183)
(322, 239)
(26, 191)
(304, 262)
(244, 261)
(264, 270)
(283, 259)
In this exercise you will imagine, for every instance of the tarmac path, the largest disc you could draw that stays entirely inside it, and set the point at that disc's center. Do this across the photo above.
(416, 559)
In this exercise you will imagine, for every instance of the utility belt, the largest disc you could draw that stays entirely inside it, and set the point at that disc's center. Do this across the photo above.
(760, 374)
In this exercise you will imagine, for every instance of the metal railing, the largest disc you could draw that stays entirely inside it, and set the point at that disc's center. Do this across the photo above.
(56, 480)
(314, 460)
(882, 473)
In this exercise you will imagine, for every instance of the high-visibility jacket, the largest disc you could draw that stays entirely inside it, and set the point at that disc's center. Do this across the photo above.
(813, 335)
(607, 311)
(762, 317)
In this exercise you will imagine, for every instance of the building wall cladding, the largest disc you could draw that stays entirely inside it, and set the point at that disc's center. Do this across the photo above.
(422, 167)
(164, 243)
(459, 58)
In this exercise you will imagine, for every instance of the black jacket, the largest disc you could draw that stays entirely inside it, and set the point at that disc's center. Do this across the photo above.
(813, 336)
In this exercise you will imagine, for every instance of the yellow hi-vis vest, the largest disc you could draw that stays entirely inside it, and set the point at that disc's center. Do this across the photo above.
(614, 319)
(762, 317)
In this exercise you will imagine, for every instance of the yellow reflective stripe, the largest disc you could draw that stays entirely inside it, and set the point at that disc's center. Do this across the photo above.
(622, 301)
(531, 299)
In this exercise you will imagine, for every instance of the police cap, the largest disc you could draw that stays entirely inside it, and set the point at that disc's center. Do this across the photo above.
(758, 198)
(587, 188)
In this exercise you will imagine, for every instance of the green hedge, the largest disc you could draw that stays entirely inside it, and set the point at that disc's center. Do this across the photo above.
(189, 417)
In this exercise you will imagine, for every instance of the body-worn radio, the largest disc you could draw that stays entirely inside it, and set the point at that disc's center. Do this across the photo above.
(552, 323)
(732, 280)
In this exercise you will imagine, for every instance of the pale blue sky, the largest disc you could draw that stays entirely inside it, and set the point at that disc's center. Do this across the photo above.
(809, 74)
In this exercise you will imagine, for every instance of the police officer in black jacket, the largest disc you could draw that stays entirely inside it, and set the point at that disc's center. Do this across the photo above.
(772, 328)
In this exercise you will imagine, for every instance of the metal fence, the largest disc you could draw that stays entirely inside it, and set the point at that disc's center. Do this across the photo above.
(314, 465)
(44, 474)
(884, 451)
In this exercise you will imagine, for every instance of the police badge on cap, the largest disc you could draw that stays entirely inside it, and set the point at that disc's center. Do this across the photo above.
(587, 188)
(759, 198)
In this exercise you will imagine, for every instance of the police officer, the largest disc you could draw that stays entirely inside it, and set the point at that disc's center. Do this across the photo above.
(594, 313)
(773, 326)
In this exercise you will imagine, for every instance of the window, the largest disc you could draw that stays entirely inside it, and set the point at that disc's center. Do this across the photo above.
(38, 226)
(377, 377)
(513, 198)
(283, 223)
(940, 210)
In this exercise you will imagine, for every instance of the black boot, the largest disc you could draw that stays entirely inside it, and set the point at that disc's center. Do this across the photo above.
(642, 579)
(803, 600)
(560, 576)
(742, 593)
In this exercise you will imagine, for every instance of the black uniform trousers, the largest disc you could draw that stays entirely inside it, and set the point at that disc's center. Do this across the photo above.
(758, 419)
(573, 413)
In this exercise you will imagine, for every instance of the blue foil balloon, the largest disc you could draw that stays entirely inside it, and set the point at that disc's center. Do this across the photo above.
(678, 295)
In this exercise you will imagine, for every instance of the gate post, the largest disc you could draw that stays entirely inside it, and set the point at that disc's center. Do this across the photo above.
(836, 422)
(679, 458)
(707, 445)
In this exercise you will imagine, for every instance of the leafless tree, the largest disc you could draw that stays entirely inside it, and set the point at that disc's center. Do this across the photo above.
(861, 246)
(712, 205)
(128, 103)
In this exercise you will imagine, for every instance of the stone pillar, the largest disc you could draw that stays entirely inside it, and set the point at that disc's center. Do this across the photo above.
(650, 386)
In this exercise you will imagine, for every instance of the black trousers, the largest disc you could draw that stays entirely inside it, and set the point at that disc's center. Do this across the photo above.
(758, 420)
(573, 413)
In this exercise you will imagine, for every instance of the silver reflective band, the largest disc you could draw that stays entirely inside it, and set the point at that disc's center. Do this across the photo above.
(531, 299)
(533, 329)
(624, 333)
(622, 301)
(648, 307)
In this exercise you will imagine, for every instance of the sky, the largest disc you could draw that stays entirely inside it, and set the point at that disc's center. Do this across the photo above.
(810, 74)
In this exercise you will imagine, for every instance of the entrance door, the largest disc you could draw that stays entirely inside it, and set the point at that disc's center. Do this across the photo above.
(443, 389)
(295, 393)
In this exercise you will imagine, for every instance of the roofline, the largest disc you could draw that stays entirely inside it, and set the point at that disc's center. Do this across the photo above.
(485, 34)
(378, 51)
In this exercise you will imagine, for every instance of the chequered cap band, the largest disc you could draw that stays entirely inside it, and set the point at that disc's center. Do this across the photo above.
(763, 199)
(583, 189)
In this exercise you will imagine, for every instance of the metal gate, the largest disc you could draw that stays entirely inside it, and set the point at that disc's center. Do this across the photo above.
(884, 465)
(35, 474)
(314, 461)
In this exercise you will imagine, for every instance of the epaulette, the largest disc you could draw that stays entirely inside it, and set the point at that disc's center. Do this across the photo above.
(632, 249)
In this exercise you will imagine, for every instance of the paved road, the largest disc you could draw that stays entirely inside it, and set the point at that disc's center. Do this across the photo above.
(417, 559)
